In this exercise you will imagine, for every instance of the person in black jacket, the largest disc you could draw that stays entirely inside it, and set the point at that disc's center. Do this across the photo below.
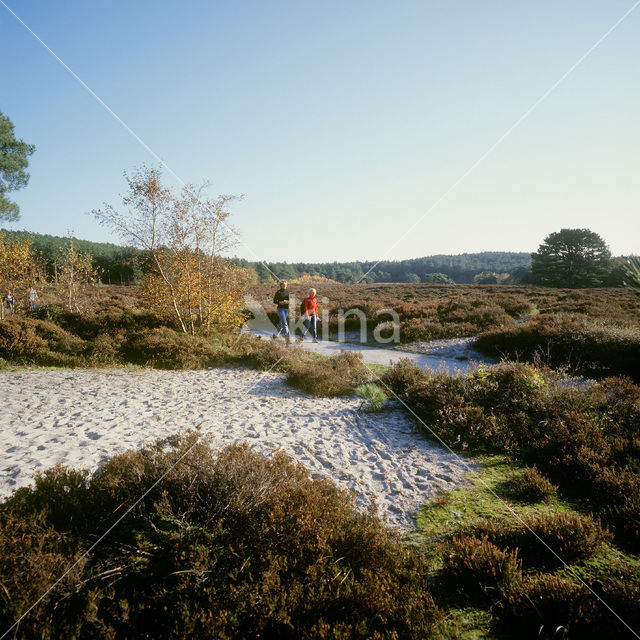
(281, 300)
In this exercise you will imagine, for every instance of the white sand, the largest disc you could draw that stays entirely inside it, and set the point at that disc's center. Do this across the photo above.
(80, 418)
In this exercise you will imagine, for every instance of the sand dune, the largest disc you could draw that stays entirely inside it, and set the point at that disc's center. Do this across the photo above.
(82, 417)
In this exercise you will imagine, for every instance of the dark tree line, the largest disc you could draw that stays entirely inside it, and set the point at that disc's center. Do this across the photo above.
(462, 268)
(115, 264)
(571, 258)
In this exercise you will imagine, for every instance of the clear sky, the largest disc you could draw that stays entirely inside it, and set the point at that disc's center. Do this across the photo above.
(342, 122)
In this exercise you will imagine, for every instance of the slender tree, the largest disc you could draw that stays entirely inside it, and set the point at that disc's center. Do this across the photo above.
(183, 237)
(16, 263)
(76, 273)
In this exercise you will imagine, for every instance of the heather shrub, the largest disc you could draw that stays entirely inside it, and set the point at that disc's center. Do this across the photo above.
(51, 312)
(617, 493)
(90, 327)
(403, 375)
(584, 438)
(165, 348)
(33, 556)
(59, 495)
(226, 546)
(571, 536)
(415, 329)
(482, 314)
(615, 579)
(529, 485)
(585, 345)
(513, 304)
(264, 354)
(104, 349)
(550, 606)
(479, 567)
(28, 340)
(333, 377)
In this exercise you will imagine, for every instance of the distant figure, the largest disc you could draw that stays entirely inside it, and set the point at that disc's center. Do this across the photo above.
(281, 300)
(311, 314)
(10, 300)
(33, 298)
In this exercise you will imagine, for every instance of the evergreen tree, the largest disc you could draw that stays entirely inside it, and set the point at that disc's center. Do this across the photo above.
(572, 258)
(14, 156)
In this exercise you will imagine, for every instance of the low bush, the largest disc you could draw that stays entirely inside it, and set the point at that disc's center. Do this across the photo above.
(373, 396)
(336, 376)
(548, 606)
(403, 375)
(586, 346)
(479, 567)
(529, 485)
(104, 349)
(226, 546)
(617, 494)
(615, 579)
(165, 348)
(264, 354)
(31, 341)
(584, 438)
(33, 556)
(545, 540)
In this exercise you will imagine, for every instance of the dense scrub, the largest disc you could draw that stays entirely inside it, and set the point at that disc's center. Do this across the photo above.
(75, 340)
(543, 602)
(586, 346)
(227, 546)
(428, 312)
(237, 546)
(585, 438)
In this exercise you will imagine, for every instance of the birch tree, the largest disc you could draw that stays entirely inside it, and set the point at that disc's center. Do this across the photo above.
(76, 273)
(184, 236)
(16, 263)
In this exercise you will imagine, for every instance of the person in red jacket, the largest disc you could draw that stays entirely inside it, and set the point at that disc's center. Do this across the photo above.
(311, 314)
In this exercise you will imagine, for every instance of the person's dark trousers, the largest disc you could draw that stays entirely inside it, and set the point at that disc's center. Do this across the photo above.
(310, 323)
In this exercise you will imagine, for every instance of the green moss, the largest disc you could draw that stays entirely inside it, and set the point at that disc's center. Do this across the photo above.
(485, 496)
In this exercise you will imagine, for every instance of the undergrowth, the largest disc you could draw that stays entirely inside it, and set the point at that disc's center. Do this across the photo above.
(232, 545)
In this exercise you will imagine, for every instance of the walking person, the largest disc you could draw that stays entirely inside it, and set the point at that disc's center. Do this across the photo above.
(10, 300)
(33, 299)
(281, 300)
(311, 314)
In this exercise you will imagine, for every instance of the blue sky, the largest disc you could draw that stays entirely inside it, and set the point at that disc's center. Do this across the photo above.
(341, 122)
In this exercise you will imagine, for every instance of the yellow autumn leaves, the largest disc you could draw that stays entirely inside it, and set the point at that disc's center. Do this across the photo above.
(182, 237)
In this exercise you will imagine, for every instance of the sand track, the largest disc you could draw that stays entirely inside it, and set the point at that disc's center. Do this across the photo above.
(82, 417)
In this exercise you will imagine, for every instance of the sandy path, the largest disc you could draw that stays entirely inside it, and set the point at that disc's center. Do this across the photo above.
(82, 417)
(455, 355)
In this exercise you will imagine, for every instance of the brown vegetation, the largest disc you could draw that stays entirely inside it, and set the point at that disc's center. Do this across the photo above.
(226, 546)
(585, 438)
(594, 347)
(428, 312)
(529, 485)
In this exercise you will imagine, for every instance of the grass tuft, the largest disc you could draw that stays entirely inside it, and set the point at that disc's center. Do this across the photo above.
(375, 399)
